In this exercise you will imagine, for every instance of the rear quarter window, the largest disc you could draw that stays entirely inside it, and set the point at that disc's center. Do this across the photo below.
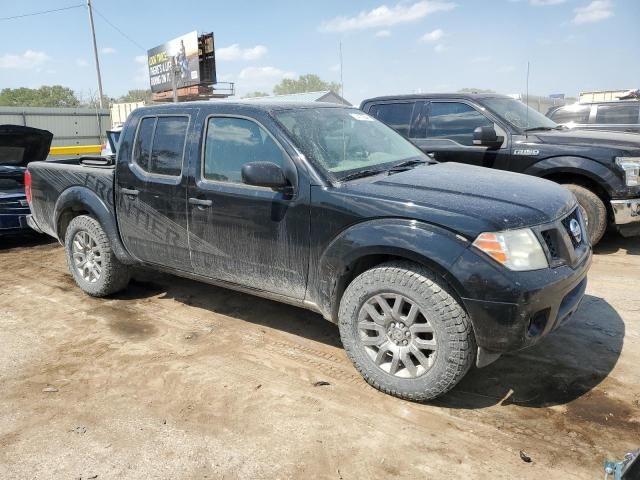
(617, 114)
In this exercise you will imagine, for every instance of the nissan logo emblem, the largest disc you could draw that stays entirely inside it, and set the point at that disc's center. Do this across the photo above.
(575, 229)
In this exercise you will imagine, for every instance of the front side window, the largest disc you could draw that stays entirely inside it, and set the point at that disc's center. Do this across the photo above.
(345, 140)
(396, 115)
(232, 142)
(159, 144)
(455, 121)
(518, 114)
(571, 114)
(620, 114)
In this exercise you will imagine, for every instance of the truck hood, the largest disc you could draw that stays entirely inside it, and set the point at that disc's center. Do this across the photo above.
(20, 145)
(470, 199)
(591, 138)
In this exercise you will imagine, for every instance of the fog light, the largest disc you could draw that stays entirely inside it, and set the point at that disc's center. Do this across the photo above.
(537, 323)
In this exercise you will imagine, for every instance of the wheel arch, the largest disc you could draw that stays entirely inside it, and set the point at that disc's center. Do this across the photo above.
(80, 200)
(362, 247)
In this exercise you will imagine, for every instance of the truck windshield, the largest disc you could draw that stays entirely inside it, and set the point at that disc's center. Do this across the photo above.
(519, 115)
(345, 140)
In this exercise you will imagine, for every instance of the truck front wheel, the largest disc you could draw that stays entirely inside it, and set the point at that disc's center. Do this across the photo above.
(91, 261)
(404, 332)
(593, 211)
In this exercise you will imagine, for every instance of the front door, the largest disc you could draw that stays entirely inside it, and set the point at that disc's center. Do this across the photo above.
(247, 235)
(151, 191)
(447, 134)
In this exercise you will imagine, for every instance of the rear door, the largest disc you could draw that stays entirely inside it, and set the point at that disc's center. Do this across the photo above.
(621, 117)
(242, 234)
(152, 188)
(448, 133)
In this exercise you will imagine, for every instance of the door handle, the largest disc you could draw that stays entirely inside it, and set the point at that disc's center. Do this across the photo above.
(130, 191)
(200, 202)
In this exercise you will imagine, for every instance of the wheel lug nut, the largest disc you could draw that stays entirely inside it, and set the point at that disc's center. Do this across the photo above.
(407, 334)
(405, 342)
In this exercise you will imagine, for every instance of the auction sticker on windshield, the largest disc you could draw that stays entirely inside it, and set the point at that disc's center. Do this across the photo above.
(362, 116)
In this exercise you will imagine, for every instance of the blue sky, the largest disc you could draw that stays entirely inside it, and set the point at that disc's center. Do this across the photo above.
(388, 46)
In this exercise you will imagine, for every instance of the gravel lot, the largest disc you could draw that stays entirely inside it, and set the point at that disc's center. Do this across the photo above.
(175, 379)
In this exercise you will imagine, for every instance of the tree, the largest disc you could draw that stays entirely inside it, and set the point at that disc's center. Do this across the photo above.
(45, 96)
(305, 83)
(136, 95)
(256, 94)
(476, 90)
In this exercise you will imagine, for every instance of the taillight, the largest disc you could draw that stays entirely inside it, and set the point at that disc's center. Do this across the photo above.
(27, 185)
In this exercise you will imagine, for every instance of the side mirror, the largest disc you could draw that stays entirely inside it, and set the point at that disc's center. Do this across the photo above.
(487, 137)
(264, 174)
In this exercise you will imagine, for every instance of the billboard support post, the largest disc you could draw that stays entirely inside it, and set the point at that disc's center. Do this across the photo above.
(174, 81)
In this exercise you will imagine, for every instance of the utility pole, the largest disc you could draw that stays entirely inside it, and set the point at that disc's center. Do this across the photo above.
(174, 80)
(95, 53)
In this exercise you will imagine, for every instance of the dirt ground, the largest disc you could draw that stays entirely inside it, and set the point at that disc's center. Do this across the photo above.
(175, 379)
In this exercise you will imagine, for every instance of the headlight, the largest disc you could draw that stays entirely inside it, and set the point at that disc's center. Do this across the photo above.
(515, 249)
(631, 168)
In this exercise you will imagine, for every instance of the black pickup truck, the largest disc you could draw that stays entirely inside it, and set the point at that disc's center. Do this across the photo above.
(601, 168)
(425, 267)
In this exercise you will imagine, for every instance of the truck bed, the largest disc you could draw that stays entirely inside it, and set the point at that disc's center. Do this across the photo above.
(49, 179)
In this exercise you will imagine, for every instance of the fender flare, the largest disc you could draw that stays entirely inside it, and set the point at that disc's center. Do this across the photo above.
(581, 166)
(82, 198)
(420, 242)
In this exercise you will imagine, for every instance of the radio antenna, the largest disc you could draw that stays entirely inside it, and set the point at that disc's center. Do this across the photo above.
(527, 87)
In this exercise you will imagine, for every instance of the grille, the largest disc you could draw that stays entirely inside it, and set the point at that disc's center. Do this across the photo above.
(549, 240)
(565, 222)
(13, 206)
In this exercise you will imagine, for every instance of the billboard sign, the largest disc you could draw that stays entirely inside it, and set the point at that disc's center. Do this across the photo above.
(185, 51)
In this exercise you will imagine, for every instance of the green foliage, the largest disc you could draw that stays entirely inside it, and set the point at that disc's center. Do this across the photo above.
(45, 96)
(305, 83)
(256, 94)
(136, 95)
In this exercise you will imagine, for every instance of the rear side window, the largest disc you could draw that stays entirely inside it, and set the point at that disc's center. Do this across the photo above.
(455, 121)
(396, 115)
(142, 147)
(159, 144)
(617, 113)
(576, 114)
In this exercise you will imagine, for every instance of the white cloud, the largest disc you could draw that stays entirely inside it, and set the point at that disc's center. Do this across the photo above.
(335, 67)
(384, 16)
(482, 59)
(383, 33)
(108, 50)
(28, 60)
(596, 11)
(544, 3)
(234, 52)
(507, 69)
(140, 59)
(432, 37)
(81, 62)
(261, 78)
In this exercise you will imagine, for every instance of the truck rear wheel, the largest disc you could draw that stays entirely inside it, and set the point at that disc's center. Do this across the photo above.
(593, 211)
(404, 332)
(91, 261)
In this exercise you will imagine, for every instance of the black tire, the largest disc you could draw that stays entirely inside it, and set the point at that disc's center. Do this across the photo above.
(455, 346)
(113, 275)
(593, 209)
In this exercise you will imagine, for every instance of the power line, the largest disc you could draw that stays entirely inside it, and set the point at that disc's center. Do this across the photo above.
(118, 30)
(42, 12)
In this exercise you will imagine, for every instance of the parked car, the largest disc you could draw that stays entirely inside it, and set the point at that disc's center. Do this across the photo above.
(618, 116)
(496, 131)
(425, 267)
(18, 146)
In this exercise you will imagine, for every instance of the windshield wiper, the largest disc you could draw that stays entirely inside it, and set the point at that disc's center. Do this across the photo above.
(544, 129)
(402, 166)
(360, 174)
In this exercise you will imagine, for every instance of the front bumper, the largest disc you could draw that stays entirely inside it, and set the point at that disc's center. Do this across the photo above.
(626, 214)
(514, 310)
